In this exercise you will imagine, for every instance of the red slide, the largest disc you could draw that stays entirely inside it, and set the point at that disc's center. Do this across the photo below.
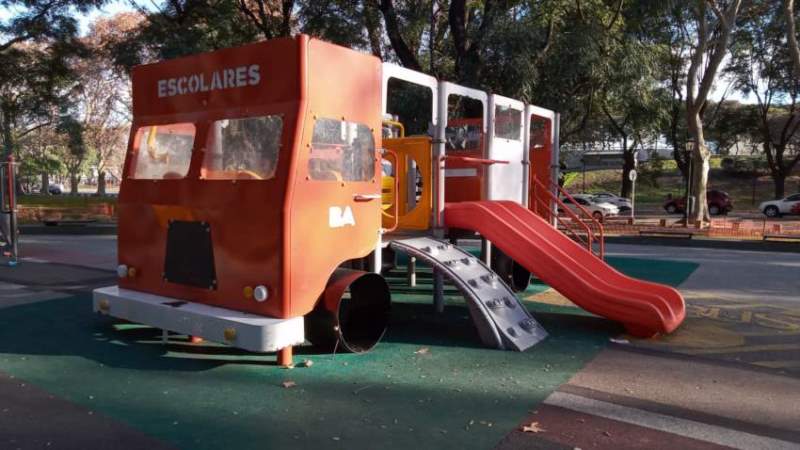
(645, 308)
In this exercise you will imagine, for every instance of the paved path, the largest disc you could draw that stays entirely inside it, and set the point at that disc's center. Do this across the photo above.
(728, 378)
(89, 251)
(742, 306)
(767, 277)
(629, 400)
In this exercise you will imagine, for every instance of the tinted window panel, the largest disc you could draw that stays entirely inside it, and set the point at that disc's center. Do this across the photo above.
(163, 151)
(341, 151)
(243, 148)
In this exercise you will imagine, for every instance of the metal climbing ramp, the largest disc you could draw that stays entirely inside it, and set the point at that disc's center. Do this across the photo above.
(502, 320)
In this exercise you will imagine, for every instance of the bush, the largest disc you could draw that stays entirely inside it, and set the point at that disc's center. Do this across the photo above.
(651, 170)
(744, 166)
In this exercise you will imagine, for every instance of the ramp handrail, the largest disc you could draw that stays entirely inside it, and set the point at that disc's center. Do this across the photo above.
(596, 223)
(565, 225)
(580, 223)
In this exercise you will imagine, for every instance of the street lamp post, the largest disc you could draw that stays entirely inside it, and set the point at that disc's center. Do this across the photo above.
(689, 206)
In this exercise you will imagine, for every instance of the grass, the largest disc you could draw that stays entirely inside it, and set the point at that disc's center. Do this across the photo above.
(741, 189)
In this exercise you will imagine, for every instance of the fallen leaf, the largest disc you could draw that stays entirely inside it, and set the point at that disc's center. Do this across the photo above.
(533, 428)
(422, 351)
(289, 384)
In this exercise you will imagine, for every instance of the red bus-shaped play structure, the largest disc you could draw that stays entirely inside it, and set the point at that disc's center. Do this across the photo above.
(255, 208)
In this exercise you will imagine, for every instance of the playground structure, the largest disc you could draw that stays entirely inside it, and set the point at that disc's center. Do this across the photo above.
(261, 202)
(9, 233)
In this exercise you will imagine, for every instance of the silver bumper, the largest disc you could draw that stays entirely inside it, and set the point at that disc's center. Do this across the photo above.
(238, 329)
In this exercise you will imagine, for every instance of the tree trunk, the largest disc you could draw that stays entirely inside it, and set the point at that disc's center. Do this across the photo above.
(698, 212)
(74, 181)
(681, 161)
(372, 22)
(45, 183)
(404, 53)
(101, 182)
(779, 180)
(628, 164)
(8, 138)
(791, 36)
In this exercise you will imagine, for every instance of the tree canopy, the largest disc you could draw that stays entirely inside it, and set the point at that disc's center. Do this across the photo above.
(628, 71)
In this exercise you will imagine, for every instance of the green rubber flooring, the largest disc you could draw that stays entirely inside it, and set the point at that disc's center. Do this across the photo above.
(429, 384)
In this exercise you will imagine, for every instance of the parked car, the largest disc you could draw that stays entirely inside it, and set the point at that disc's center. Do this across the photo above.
(777, 208)
(598, 210)
(55, 188)
(719, 202)
(624, 204)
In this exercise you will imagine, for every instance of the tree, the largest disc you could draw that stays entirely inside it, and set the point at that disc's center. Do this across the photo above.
(41, 154)
(184, 27)
(74, 156)
(105, 99)
(714, 25)
(38, 41)
(630, 97)
(273, 18)
(730, 123)
(762, 66)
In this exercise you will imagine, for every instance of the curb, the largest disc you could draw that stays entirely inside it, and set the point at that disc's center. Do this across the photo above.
(697, 242)
(67, 229)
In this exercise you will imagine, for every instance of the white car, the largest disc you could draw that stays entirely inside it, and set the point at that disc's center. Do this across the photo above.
(777, 208)
(598, 210)
(624, 204)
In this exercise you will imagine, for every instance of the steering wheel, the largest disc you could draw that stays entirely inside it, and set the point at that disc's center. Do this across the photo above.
(171, 175)
(243, 174)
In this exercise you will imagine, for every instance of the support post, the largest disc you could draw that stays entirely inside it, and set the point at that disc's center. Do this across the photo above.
(438, 291)
(377, 260)
(486, 252)
(285, 357)
(555, 166)
(411, 271)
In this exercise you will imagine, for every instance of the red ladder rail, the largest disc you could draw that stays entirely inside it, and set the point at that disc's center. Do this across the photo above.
(591, 236)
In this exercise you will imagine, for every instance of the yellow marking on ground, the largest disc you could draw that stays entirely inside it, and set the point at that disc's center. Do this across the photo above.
(702, 311)
(779, 364)
(769, 333)
(776, 319)
(744, 349)
(742, 306)
(550, 297)
(697, 333)
(777, 323)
